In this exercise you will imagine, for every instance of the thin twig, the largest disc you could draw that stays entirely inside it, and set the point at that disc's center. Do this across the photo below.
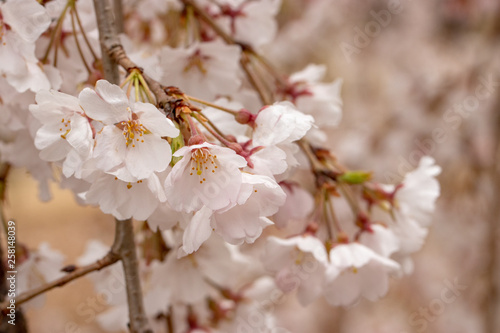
(79, 48)
(212, 105)
(212, 124)
(254, 81)
(106, 261)
(230, 40)
(316, 166)
(84, 35)
(117, 53)
(205, 17)
(245, 59)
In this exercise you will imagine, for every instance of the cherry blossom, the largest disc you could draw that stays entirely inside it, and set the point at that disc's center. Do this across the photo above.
(280, 123)
(251, 22)
(321, 100)
(206, 70)
(259, 198)
(21, 23)
(207, 175)
(65, 133)
(224, 168)
(414, 202)
(132, 134)
(298, 263)
(298, 205)
(125, 197)
(356, 271)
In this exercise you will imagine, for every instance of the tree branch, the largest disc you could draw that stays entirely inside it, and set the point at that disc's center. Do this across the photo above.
(124, 246)
(107, 260)
(119, 21)
(116, 52)
(107, 34)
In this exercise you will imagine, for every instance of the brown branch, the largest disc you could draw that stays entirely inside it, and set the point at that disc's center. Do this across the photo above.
(113, 50)
(107, 260)
(118, 11)
(254, 81)
(124, 246)
(107, 34)
(205, 17)
(117, 53)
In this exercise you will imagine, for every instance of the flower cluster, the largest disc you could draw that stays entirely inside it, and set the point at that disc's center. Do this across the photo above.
(210, 170)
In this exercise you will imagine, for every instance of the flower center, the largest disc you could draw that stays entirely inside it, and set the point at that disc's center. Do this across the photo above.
(203, 160)
(132, 130)
(197, 60)
(65, 126)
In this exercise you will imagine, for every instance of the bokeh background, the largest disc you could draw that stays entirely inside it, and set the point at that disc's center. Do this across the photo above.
(404, 88)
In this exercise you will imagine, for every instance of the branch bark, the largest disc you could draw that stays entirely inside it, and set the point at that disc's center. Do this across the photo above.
(119, 21)
(124, 246)
(117, 53)
(107, 34)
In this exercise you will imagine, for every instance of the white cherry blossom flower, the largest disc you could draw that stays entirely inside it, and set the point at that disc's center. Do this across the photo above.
(298, 205)
(128, 198)
(269, 161)
(65, 134)
(298, 263)
(165, 217)
(21, 23)
(414, 203)
(380, 239)
(280, 123)
(254, 297)
(321, 100)
(189, 285)
(132, 134)
(250, 22)
(20, 151)
(205, 70)
(259, 197)
(417, 197)
(27, 18)
(207, 175)
(355, 271)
